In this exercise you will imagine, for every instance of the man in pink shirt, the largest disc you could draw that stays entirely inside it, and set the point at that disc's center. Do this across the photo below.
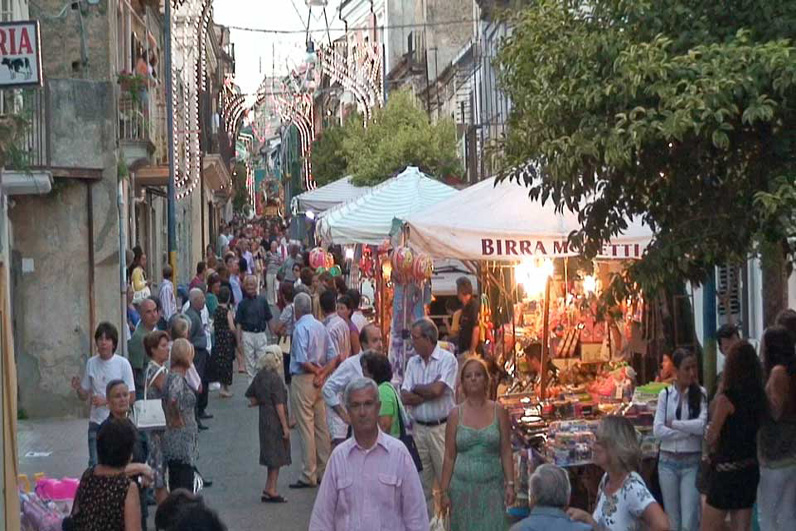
(371, 481)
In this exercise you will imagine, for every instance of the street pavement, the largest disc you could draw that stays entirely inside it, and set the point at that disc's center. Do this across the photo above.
(228, 454)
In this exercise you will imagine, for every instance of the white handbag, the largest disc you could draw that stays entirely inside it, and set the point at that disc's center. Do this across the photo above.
(149, 414)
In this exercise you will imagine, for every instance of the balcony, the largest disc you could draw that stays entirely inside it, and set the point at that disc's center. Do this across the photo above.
(27, 110)
(142, 127)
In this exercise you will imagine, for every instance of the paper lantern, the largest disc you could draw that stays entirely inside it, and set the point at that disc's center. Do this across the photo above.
(366, 263)
(320, 270)
(317, 258)
(328, 260)
(402, 260)
(423, 267)
(335, 271)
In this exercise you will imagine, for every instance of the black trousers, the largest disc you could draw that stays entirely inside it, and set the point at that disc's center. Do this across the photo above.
(201, 362)
(180, 476)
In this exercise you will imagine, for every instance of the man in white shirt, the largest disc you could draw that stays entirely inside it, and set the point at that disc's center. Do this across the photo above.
(167, 299)
(358, 318)
(347, 372)
(428, 387)
(101, 369)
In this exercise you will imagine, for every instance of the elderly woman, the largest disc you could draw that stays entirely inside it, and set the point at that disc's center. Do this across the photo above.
(107, 498)
(180, 441)
(623, 501)
(156, 346)
(267, 392)
(550, 491)
(477, 473)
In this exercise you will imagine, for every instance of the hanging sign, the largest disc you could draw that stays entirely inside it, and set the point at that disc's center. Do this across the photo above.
(20, 54)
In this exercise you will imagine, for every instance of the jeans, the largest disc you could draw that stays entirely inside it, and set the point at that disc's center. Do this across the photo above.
(677, 475)
(776, 498)
(93, 429)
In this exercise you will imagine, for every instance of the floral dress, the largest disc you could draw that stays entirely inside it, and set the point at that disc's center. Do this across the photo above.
(99, 502)
(622, 510)
(223, 347)
(180, 442)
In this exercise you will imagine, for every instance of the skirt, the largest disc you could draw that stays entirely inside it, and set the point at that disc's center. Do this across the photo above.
(733, 488)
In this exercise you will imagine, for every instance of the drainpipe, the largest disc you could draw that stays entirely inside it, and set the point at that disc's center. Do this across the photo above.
(122, 262)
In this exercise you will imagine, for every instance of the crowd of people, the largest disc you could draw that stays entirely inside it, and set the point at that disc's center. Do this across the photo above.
(395, 457)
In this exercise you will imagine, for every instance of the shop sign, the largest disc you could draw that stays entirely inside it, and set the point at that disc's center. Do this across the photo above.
(498, 247)
(20, 54)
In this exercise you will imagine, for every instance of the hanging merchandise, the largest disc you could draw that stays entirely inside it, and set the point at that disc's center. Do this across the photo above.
(328, 260)
(335, 271)
(320, 270)
(423, 268)
(317, 258)
(402, 260)
(366, 263)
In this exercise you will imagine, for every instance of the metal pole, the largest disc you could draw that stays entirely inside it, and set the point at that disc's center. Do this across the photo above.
(122, 262)
(545, 340)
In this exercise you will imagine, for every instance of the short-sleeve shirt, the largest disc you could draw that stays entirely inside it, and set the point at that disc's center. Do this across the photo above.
(310, 344)
(441, 366)
(467, 322)
(98, 374)
(253, 314)
(623, 509)
(340, 334)
(390, 407)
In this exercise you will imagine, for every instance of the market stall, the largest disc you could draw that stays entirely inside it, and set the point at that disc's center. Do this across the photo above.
(367, 222)
(561, 355)
(326, 197)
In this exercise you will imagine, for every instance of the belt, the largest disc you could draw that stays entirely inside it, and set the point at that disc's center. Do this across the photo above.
(432, 423)
(254, 331)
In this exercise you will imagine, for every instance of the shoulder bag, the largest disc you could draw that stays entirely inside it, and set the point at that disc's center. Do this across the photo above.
(407, 438)
(148, 414)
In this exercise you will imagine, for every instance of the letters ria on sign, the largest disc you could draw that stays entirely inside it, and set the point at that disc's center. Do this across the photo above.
(20, 54)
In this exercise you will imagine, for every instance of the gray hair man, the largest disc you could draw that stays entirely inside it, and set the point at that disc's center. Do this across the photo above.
(349, 370)
(550, 491)
(311, 349)
(428, 387)
(197, 313)
(253, 319)
(135, 345)
(367, 474)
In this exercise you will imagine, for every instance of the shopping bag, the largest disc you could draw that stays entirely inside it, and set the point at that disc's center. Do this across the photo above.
(406, 437)
(139, 296)
(149, 414)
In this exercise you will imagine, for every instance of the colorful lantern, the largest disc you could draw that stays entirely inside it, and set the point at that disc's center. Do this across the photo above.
(402, 260)
(366, 263)
(335, 271)
(320, 270)
(317, 258)
(328, 260)
(423, 268)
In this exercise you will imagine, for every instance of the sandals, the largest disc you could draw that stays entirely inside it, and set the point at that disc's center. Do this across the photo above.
(301, 485)
(267, 498)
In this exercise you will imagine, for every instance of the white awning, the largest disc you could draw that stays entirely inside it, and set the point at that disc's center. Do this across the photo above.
(368, 219)
(500, 222)
(329, 196)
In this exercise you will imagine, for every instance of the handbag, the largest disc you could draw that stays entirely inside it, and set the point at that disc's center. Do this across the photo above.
(139, 296)
(407, 438)
(149, 414)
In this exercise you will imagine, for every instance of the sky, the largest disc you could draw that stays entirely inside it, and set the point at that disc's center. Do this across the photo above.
(260, 54)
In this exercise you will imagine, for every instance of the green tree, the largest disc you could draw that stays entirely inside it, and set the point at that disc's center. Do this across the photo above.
(680, 113)
(400, 135)
(329, 161)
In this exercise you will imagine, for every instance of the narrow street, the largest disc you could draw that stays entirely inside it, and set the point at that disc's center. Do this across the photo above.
(228, 455)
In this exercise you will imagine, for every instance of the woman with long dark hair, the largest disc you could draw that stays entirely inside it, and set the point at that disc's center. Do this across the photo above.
(738, 411)
(776, 494)
(137, 276)
(679, 426)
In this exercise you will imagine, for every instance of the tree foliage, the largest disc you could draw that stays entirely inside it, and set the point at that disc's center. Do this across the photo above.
(329, 161)
(679, 112)
(399, 135)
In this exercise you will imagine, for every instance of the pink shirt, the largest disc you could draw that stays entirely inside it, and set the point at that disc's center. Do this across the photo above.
(370, 490)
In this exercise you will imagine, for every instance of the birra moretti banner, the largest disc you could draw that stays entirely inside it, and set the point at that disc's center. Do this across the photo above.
(494, 220)
(20, 54)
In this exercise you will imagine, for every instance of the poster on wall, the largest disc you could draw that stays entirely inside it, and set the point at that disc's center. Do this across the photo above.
(20, 54)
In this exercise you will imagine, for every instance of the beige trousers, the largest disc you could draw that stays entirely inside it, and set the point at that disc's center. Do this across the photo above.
(253, 347)
(309, 410)
(430, 441)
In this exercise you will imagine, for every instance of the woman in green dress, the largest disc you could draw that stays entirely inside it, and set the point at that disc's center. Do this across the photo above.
(477, 474)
